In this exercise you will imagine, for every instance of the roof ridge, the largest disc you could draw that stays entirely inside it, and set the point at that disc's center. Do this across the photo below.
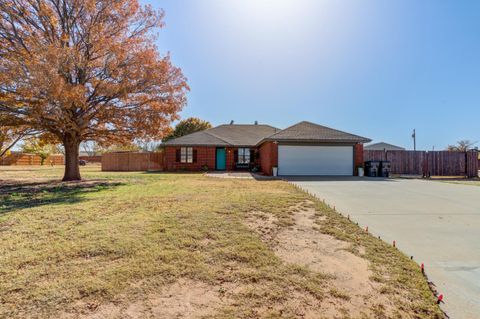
(310, 126)
(281, 130)
(333, 129)
(244, 124)
(382, 142)
(216, 136)
(385, 143)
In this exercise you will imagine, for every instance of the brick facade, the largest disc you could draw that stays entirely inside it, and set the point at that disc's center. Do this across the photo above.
(230, 158)
(268, 157)
(358, 158)
(205, 157)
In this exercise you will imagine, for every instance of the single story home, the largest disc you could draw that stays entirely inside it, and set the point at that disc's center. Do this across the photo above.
(382, 146)
(302, 149)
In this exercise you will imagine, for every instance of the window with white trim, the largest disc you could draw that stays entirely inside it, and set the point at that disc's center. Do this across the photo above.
(186, 155)
(243, 156)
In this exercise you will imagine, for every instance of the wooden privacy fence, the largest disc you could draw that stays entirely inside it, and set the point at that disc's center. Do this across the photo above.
(22, 159)
(433, 163)
(92, 159)
(132, 162)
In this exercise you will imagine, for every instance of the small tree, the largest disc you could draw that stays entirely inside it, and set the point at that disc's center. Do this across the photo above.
(148, 145)
(86, 70)
(462, 146)
(91, 148)
(38, 147)
(188, 126)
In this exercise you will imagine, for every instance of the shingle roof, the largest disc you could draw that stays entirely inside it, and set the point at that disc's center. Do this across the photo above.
(227, 135)
(251, 135)
(199, 138)
(383, 146)
(310, 132)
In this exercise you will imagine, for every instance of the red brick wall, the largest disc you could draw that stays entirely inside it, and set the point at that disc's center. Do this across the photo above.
(230, 158)
(205, 156)
(358, 157)
(268, 157)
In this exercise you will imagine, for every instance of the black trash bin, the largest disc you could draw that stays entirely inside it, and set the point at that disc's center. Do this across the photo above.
(385, 169)
(372, 168)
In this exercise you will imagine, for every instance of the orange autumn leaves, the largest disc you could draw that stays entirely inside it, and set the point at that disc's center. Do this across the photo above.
(87, 70)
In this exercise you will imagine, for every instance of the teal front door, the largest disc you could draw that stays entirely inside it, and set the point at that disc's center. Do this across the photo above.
(221, 160)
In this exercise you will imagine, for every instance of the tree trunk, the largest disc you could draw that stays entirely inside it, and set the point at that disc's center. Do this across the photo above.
(72, 167)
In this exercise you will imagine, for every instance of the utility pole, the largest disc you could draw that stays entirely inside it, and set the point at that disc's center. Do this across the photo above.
(414, 136)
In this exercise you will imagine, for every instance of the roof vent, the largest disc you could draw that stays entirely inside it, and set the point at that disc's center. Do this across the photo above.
(256, 122)
(231, 122)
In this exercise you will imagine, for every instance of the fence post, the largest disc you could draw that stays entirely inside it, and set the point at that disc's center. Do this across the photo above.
(466, 165)
(472, 164)
(426, 164)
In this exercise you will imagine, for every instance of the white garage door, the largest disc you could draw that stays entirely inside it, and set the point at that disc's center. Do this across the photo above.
(315, 160)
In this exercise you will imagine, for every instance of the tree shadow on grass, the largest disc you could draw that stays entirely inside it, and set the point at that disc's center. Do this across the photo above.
(15, 195)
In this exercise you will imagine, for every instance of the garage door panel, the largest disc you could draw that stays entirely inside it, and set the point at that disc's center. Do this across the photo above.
(315, 160)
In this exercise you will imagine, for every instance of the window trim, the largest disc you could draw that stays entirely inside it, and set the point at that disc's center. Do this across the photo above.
(186, 155)
(244, 155)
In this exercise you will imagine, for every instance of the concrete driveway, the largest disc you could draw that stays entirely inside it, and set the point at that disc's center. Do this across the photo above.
(437, 223)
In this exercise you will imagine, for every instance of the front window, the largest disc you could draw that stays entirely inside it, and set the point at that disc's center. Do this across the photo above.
(243, 155)
(186, 155)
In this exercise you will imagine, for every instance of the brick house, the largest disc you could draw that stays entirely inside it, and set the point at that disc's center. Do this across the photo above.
(302, 149)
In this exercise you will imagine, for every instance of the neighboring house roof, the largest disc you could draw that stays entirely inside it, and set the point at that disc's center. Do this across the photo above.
(227, 135)
(311, 132)
(382, 146)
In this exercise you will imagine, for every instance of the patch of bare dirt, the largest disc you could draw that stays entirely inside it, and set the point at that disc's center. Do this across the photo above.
(182, 299)
(265, 225)
(352, 293)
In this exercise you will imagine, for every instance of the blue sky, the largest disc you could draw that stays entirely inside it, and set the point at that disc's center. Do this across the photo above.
(372, 67)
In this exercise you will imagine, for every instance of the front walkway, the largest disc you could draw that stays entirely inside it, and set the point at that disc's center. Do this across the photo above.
(240, 175)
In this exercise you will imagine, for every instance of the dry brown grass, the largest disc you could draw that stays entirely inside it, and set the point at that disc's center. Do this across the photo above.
(117, 248)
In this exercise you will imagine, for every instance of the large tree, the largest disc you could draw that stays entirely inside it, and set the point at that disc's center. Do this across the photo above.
(86, 70)
(188, 126)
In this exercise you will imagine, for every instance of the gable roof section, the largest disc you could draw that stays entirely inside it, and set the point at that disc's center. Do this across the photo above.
(310, 132)
(226, 135)
(243, 134)
(198, 138)
(383, 146)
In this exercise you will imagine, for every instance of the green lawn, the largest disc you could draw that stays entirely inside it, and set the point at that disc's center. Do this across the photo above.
(68, 249)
